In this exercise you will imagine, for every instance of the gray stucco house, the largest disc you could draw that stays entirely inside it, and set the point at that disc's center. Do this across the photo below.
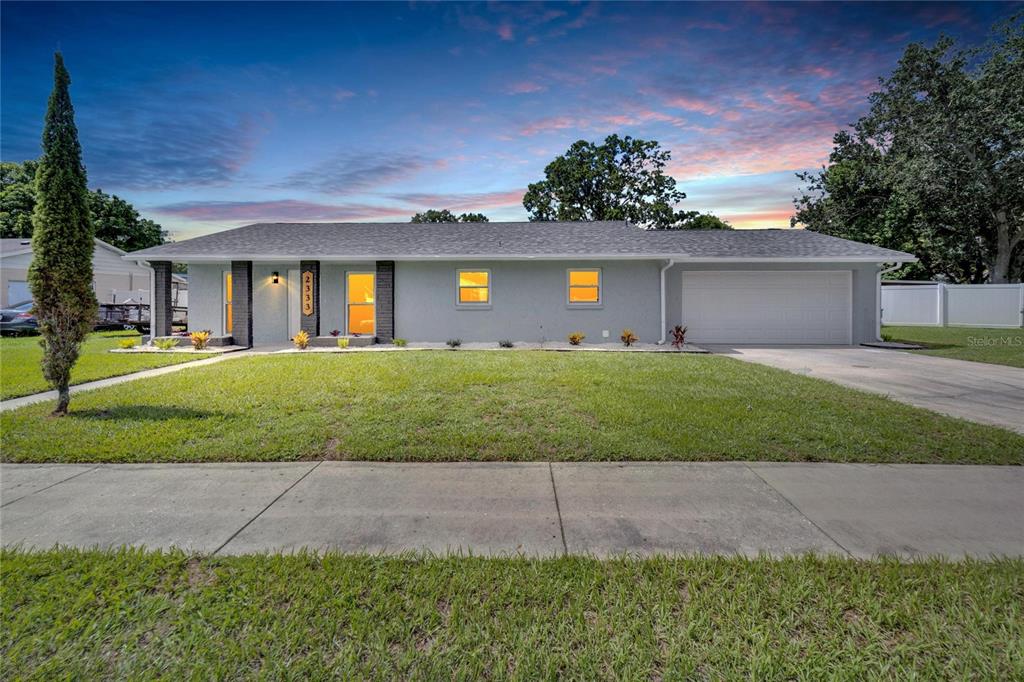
(260, 284)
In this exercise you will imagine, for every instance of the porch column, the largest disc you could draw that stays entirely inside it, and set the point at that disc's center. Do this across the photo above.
(161, 309)
(241, 302)
(309, 295)
(384, 302)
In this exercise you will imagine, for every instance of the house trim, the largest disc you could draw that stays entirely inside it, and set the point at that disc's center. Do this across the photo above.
(679, 258)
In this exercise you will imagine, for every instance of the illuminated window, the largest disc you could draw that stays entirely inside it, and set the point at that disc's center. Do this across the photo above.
(227, 302)
(474, 287)
(584, 287)
(360, 303)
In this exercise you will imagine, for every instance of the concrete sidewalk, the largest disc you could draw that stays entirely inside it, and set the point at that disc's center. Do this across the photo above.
(536, 509)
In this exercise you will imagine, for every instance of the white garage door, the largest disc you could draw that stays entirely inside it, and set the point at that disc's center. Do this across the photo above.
(17, 292)
(770, 307)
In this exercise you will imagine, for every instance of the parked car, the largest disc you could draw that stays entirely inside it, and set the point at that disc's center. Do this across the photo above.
(19, 319)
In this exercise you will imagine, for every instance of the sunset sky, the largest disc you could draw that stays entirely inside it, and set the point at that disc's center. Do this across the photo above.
(208, 116)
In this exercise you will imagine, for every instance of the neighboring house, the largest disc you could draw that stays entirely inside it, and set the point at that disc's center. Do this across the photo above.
(115, 279)
(535, 281)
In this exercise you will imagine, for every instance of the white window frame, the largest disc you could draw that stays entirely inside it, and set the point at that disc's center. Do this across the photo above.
(584, 304)
(348, 304)
(473, 305)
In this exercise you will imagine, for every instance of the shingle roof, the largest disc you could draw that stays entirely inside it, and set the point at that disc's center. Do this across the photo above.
(785, 243)
(397, 241)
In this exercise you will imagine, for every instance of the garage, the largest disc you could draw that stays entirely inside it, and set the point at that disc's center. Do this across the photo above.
(768, 307)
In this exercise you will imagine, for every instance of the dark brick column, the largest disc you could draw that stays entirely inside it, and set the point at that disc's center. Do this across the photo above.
(241, 302)
(161, 311)
(384, 301)
(310, 323)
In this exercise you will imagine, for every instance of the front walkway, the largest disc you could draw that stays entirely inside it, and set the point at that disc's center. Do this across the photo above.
(49, 396)
(980, 392)
(533, 508)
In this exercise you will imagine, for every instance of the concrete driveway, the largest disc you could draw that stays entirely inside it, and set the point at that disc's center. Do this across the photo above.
(990, 394)
(536, 508)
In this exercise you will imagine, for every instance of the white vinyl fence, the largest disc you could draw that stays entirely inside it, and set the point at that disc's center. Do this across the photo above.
(954, 305)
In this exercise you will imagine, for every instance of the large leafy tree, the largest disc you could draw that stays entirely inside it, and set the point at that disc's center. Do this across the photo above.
(60, 275)
(118, 223)
(17, 198)
(115, 220)
(623, 178)
(936, 167)
(693, 220)
(446, 216)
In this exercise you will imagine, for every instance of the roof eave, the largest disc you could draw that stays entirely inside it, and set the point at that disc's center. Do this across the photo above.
(348, 258)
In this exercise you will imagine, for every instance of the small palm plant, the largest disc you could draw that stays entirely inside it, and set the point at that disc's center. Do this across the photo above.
(628, 337)
(301, 340)
(200, 339)
(576, 338)
(165, 344)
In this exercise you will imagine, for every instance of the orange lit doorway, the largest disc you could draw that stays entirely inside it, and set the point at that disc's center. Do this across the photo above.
(359, 287)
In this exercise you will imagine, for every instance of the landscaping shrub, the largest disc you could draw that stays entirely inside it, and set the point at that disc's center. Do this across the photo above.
(505, 343)
(301, 340)
(678, 336)
(628, 337)
(576, 338)
(200, 339)
(335, 332)
(453, 343)
(127, 343)
(343, 342)
(165, 344)
(401, 343)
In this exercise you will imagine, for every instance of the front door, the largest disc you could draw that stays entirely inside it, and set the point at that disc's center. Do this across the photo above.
(359, 296)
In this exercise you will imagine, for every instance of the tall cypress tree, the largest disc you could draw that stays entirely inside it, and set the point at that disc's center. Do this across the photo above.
(60, 276)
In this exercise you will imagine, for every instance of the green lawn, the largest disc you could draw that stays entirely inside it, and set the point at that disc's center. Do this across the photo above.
(130, 614)
(997, 346)
(19, 362)
(465, 405)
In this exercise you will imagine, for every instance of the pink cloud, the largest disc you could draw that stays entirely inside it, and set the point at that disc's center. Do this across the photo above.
(524, 87)
(790, 100)
(551, 123)
(692, 104)
(278, 210)
(645, 116)
(753, 152)
(846, 94)
(464, 201)
(947, 13)
(762, 218)
(820, 71)
(505, 31)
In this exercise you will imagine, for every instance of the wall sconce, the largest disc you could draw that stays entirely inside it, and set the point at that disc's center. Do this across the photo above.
(275, 277)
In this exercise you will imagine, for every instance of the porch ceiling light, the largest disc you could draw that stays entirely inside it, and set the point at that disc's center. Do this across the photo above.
(276, 277)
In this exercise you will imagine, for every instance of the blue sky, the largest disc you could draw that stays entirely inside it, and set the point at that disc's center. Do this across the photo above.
(209, 115)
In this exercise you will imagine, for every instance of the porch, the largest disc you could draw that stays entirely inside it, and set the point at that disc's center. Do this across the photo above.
(264, 304)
